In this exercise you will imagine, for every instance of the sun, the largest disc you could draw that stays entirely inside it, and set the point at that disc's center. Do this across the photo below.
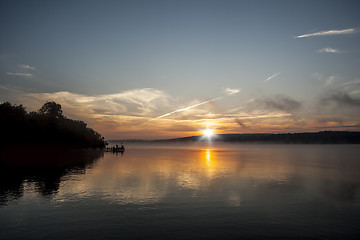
(208, 133)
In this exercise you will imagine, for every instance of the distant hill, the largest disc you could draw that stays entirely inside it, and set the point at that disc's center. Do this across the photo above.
(324, 137)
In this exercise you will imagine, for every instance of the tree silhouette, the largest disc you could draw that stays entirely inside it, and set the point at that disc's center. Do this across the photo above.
(51, 109)
(48, 125)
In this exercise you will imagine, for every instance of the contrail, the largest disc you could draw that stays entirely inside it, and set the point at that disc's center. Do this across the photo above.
(187, 108)
(272, 76)
(326, 33)
(228, 91)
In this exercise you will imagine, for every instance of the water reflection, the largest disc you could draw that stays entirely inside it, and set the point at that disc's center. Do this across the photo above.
(145, 176)
(40, 171)
(209, 160)
(186, 192)
(150, 175)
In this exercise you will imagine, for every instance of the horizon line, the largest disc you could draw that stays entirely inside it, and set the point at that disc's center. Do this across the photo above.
(164, 139)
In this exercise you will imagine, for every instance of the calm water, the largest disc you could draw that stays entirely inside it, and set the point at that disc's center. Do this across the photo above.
(187, 192)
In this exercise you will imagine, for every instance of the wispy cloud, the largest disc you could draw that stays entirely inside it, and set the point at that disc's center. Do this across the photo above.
(279, 103)
(232, 91)
(352, 83)
(123, 115)
(240, 123)
(228, 91)
(328, 50)
(342, 99)
(328, 33)
(327, 80)
(352, 87)
(22, 71)
(27, 67)
(188, 108)
(19, 74)
(135, 102)
(272, 76)
(331, 80)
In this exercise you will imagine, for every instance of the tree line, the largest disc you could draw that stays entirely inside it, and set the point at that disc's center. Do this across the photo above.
(47, 125)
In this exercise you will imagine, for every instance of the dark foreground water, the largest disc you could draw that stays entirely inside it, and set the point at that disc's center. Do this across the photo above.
(186, 192)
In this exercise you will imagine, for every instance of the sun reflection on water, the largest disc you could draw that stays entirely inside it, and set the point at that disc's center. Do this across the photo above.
(153, 174)
(208, 157)
(210, 165)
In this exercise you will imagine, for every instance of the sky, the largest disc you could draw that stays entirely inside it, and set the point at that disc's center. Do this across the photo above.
(165, 69)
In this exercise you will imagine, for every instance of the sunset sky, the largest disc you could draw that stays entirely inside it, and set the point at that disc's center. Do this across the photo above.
(164, 69)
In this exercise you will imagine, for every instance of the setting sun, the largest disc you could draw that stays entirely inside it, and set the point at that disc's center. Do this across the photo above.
(208, 133)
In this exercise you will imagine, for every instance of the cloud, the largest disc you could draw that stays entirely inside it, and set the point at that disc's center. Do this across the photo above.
(27, 67)
(188, 108)
(123, 115)
(240, 123)
(280, 103)
(352, 83)
(337, 121)
(24, 71)
(331, 80)
(329, 50)
(328, 33)
(229, 91)
(232, 91)
(344, 127)
(136, 102)
(327, 80)
(330, 119)
(272, 76)
(19, 74)
(342, 99)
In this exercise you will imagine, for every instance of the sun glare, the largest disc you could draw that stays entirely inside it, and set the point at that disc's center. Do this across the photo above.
(208, 133)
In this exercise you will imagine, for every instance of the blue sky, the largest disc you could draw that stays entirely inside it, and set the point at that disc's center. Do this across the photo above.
(119, 65)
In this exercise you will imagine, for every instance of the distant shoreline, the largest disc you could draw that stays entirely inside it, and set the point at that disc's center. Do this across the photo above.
(323, 137)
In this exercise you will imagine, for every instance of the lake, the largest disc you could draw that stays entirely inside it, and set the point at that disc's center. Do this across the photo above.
(185, 191)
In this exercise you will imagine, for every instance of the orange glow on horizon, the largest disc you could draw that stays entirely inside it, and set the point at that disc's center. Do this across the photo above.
(125, 127)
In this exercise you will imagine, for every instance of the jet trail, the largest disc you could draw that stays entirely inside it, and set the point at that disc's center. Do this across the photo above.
(272, 76)
(187, 108)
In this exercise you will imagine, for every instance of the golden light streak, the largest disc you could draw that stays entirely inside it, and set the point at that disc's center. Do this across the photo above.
(208, 157)
(209, 162)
